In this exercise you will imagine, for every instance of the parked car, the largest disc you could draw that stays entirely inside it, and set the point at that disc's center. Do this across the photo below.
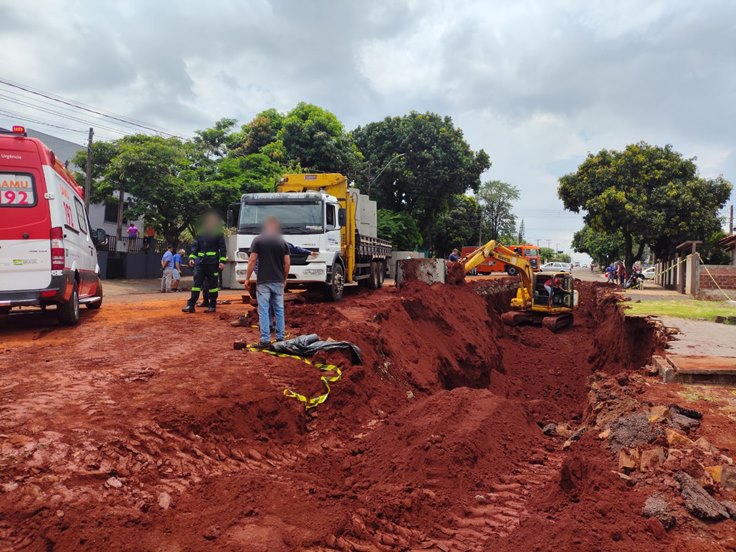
(47, 249)
(556, 266)
(649, 273)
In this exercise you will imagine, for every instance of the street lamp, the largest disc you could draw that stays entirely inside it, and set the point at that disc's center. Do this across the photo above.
(394, 158)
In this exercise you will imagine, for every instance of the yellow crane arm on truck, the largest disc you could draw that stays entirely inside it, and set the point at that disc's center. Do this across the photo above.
(496, 251)
(336, 185)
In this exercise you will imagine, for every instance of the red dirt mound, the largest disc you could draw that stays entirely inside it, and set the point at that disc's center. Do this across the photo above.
(587, 508)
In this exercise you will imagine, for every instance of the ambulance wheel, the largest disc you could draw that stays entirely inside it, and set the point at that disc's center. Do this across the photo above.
(68, 312)
(97, 304)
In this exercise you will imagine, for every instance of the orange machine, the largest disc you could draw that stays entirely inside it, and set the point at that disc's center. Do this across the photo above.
(490, 265)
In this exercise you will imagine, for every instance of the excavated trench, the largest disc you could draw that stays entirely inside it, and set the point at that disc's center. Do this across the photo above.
(433, 442)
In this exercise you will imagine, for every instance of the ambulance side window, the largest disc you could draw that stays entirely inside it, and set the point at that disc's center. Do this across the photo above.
(81, 217)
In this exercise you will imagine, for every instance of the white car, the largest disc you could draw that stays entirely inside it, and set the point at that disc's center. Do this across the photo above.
(556, 266)
(649, 273)
(47, 249)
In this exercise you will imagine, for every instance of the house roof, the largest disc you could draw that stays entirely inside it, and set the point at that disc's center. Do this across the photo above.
(63, 149)
(728, 243)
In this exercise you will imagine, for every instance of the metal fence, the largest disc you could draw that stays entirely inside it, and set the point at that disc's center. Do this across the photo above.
(113, 244)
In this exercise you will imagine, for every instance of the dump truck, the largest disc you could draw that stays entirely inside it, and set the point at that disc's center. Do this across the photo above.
(324, 214)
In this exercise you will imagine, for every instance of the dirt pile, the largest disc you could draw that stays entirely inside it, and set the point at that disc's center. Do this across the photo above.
(433, 442)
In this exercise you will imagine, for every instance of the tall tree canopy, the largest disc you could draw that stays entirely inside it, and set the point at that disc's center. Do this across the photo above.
(652, 195)
(417, 166)
(400, 229)
(458, 226)
(603, 247)
(415, 163)
(496, 200)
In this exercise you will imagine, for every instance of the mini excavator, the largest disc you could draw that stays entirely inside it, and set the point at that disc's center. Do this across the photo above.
(532, 304)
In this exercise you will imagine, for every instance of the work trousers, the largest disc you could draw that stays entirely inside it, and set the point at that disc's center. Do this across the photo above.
(166, 279)
(270, 299)
(206, 277)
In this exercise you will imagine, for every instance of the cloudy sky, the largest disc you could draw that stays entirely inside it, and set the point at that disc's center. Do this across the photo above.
(537, 84)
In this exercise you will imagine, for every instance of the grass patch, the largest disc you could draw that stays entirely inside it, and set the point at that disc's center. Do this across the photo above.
(682, 308)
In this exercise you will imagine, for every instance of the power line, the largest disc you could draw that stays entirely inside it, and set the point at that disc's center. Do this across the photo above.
(90, 110)
(37, 122)
(62, 115)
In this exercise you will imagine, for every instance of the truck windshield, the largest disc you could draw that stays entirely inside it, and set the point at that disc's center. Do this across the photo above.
(295, 217)
(531, 252)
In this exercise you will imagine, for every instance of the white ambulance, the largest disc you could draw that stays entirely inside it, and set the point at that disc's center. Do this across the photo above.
(47, 250)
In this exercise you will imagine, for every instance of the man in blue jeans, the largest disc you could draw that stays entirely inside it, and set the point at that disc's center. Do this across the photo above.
(271, 253)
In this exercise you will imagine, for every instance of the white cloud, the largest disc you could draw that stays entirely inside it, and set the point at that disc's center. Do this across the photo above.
(536, 84)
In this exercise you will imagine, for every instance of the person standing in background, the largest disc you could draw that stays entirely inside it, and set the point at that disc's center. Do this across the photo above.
(167, 265)
(176, 261)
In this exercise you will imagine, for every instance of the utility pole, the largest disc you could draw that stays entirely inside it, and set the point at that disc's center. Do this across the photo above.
(121, 203)
(730, 222)
(88, 170)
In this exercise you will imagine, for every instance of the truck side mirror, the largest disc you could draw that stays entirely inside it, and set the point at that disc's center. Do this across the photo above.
(341, 217)
(99, 236)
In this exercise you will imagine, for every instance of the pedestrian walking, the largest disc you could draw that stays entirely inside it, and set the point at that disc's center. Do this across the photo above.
(270, 251)
(209, 248)
(167, 265)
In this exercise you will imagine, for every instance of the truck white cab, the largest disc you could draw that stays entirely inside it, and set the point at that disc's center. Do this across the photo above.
(319, 212)
(47, 250)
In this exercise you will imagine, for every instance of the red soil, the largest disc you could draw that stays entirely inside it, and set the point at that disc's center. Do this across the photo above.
(433, 441)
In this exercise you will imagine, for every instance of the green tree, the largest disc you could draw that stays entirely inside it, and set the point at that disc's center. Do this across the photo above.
(603, 247)
(149, 168)
(102, 153)
(652, 195)
(550, 255)
(458, 226)
(496, 200)
(314, 139)
(415, 163)
(400, 229)
(215, 142)
(259, 133)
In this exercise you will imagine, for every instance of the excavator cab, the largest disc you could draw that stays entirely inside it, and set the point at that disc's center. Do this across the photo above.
(563, 296)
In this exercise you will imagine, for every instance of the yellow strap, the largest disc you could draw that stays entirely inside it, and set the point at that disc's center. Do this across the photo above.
(309, 402)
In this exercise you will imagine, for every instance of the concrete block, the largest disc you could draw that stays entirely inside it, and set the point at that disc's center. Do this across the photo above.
(430, 271)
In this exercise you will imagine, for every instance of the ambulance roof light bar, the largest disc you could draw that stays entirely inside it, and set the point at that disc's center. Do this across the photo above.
(17, 130)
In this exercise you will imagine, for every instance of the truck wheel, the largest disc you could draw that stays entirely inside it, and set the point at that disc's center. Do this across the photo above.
(333, 292)
(97, 304)
(511, 270)
(381, 273)
(68, 313)
(373, 282)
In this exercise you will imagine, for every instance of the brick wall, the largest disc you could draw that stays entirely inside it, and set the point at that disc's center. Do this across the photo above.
(725, 275)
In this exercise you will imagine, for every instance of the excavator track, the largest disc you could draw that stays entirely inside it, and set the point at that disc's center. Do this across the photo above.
(556, 322)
